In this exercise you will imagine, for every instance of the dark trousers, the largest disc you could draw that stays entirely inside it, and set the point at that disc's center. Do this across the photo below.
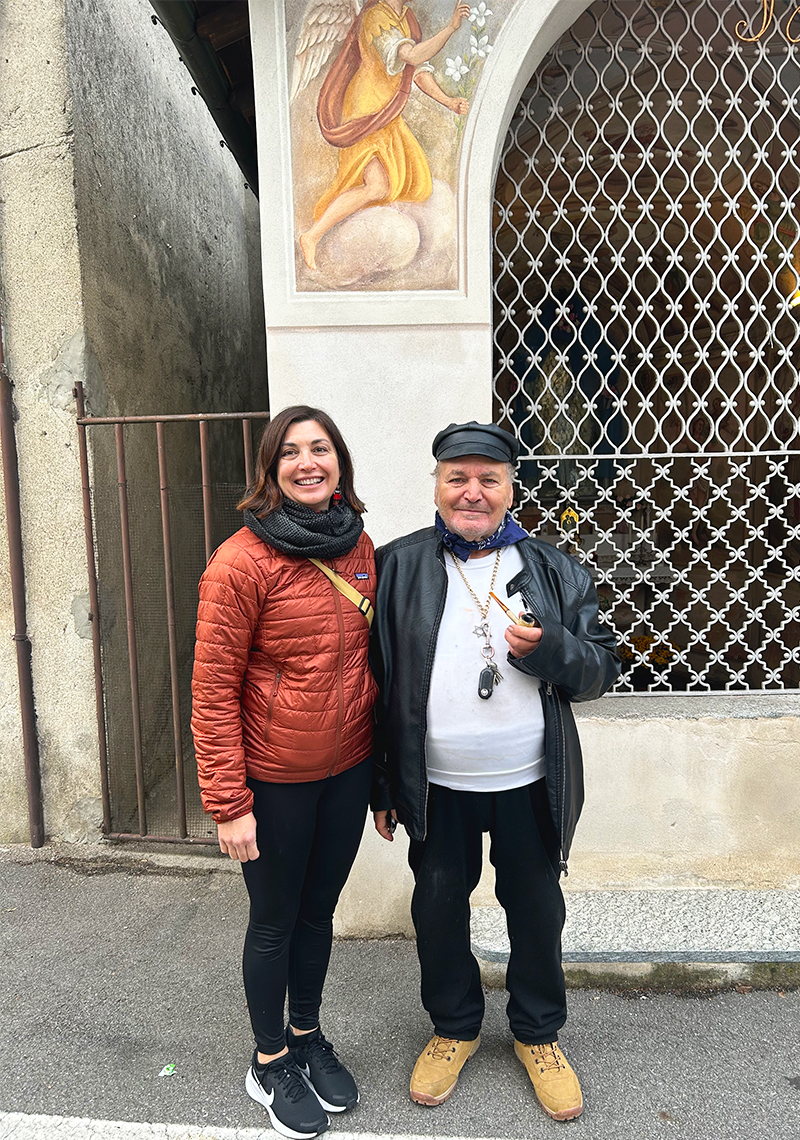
(447, 867)
(308, 836)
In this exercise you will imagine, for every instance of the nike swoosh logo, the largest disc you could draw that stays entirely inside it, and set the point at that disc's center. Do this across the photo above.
(305, 1069)
(268, 1096)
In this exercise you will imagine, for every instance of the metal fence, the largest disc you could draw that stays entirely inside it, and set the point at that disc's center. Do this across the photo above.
(159, 495)
(647, 295)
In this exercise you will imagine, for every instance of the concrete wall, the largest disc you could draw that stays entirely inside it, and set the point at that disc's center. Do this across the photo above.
(42, 313)
(170, 265)
(693, 791)
(167, 229)
(128, 242)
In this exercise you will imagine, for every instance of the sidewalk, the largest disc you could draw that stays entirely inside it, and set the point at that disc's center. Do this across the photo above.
(110, 973)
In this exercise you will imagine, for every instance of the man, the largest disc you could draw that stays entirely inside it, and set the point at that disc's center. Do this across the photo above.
(475, 742)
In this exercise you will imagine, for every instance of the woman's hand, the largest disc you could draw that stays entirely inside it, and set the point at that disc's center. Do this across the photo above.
(237, 838)
(382, 825)
(458, 106)
(461, 12)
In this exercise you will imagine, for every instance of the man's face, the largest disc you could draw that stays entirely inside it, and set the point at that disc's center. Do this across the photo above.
(472, 495)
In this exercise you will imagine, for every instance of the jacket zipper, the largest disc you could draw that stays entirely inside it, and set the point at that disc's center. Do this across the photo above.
(563, 758)
(426, 684)
(272, 704)
(563, 779)
(339, 680)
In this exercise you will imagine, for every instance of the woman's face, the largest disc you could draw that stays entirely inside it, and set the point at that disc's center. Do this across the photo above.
(308, 467)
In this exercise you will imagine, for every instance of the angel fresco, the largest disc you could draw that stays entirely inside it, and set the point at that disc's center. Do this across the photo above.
(360, 105)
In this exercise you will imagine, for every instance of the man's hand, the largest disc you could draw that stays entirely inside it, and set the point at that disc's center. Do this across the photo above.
(523, 639)
(237, 838)
(382, 825)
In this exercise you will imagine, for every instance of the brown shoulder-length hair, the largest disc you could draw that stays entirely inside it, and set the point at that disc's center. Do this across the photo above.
(265, 496)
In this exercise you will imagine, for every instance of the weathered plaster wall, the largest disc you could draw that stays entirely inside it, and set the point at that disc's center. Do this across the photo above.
(696, 792)
(127, 240)
(41, 299)
(167, 229)
(170, 263)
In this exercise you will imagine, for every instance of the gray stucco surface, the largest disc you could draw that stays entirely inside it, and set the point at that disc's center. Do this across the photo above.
(166, 228)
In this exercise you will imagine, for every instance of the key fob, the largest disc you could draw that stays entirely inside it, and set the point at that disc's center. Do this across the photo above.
(486, 684)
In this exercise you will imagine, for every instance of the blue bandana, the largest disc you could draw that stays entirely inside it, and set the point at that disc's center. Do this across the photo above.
(506, 534)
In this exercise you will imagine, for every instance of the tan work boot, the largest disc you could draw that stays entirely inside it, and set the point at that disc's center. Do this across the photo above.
(437, 1068)
(553, 1078)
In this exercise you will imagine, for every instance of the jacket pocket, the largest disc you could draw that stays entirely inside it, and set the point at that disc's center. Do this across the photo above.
(271, 705)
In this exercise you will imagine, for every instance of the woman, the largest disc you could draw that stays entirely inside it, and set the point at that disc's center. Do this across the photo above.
(359, 108)
(282, 723)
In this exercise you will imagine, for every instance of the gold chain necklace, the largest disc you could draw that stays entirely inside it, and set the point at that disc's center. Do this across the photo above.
(482, 610)
(490, 674)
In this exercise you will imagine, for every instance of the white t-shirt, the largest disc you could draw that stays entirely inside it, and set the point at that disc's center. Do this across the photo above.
(476, 745)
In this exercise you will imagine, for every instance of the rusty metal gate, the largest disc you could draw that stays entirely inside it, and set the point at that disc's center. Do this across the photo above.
(159, 495)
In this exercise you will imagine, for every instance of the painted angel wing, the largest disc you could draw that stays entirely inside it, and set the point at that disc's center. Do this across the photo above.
(325, 25)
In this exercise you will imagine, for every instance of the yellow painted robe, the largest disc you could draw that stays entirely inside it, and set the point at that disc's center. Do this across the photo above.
(370, 89)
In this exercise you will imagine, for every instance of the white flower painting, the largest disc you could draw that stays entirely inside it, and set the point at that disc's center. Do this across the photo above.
(479, 15)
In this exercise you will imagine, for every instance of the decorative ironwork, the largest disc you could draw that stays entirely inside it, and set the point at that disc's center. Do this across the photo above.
(647, 289)
(767, 14)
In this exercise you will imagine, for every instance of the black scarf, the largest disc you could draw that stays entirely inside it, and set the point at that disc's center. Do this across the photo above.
(296, 529)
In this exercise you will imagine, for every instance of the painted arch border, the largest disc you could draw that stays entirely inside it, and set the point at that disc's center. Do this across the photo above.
(529, 31)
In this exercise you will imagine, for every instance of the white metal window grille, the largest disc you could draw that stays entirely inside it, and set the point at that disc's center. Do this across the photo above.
(646, 280)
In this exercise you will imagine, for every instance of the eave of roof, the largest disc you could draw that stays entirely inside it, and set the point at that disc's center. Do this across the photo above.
(202, 38)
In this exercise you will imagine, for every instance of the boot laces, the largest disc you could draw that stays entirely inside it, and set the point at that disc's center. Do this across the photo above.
(442, 1047)
(546, 1057)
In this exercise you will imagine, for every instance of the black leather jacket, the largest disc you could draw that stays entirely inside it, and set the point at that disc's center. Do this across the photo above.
(575, 661)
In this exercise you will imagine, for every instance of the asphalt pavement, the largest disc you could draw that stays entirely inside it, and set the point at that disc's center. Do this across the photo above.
(110, 973)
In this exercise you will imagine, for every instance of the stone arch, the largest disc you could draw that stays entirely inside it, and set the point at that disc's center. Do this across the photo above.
(529, 31)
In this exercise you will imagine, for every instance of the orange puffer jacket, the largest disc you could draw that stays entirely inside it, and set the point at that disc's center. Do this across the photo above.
(282, 690)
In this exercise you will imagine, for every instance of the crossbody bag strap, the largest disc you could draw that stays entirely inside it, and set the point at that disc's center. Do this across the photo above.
(362, 604)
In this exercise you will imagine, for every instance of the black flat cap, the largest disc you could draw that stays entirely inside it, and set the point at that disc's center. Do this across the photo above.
(476, 439)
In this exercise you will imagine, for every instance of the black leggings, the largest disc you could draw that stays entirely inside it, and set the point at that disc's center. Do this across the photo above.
(308, 835)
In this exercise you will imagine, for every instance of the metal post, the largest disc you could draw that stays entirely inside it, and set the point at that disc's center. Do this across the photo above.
(206, 480)
(172, 631)
(122, 486)
(247, 434)
(94, 609)
(30, 740)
